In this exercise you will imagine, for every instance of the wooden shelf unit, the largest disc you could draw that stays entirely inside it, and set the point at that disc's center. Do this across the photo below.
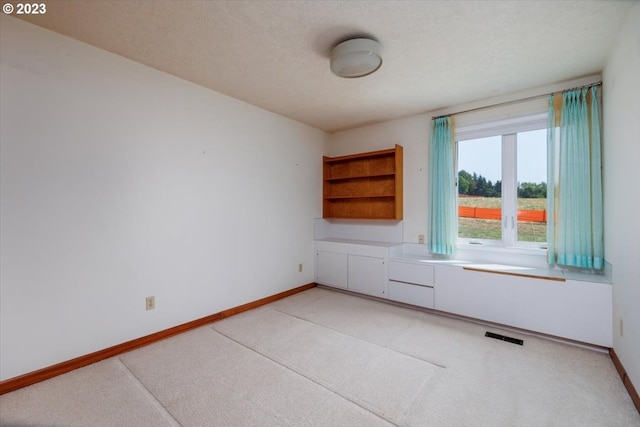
(363, 186)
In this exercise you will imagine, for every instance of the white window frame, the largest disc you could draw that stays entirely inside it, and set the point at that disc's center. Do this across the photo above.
(508, 129)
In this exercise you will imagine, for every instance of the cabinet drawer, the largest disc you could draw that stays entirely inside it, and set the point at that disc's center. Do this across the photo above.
(422, 296)
(411, 273)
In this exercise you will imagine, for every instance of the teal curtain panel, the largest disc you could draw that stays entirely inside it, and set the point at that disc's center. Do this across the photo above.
(574, 193)
(443, 213)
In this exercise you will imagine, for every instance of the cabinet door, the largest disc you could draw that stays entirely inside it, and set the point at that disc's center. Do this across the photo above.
(366, 275)
(331, 269)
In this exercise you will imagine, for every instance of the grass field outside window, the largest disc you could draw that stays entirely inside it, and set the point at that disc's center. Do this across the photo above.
(490, 229)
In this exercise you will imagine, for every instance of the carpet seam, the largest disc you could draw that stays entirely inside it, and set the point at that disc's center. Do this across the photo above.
(150, 396)
(438, 365)
(418, 392)
(273, 359)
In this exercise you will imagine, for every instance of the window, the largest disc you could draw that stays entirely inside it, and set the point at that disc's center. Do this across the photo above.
(502, 174)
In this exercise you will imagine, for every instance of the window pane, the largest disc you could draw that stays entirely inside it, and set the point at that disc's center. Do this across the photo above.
(532, 187)
(480, 188)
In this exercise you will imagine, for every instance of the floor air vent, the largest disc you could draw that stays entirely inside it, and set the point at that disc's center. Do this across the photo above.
(503, 338)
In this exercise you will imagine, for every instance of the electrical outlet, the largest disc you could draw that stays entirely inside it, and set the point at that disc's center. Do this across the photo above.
(151, 303)
(621, 328)
(300, 268)
(421, 238)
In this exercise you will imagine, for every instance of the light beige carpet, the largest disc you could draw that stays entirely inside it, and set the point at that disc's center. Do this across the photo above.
(324, 358)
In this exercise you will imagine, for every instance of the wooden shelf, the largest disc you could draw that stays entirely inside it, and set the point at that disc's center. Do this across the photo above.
(373, 175)
(363, 186)
(359, 197)
(359, 156)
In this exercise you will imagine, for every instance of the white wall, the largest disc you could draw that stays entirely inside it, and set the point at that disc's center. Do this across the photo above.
(119, 182)
(413, 134)
(621, 110)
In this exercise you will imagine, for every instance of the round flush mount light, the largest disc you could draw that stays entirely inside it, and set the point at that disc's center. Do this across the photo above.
(356, 58)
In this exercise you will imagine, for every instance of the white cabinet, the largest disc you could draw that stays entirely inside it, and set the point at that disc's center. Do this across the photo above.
(411, 283)
(353, 265)
(411, 272)
(409, 293)
(559, 305)
(366, 275)
(570, 309)
(357, 273)
(331, 269)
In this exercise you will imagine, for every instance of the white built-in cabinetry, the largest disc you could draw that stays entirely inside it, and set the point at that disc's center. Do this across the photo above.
(332, 269)
(366, 274)
(579, 310)
(411, 283)
(356, 267)
(562, 304)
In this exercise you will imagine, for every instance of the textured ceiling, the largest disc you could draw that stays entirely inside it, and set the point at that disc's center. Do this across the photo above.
(274, 54)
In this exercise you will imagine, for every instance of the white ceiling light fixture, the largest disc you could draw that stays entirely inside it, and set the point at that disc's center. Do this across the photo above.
(357, 57)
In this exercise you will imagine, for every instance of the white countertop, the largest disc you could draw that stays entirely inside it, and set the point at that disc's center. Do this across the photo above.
(552, 273)
(397, 254)
(359, 242)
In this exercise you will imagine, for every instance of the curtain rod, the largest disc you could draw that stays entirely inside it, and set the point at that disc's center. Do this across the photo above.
(500, 104)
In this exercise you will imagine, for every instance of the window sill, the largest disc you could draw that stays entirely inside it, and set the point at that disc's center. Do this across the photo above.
(521, 256)
(519, 261)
